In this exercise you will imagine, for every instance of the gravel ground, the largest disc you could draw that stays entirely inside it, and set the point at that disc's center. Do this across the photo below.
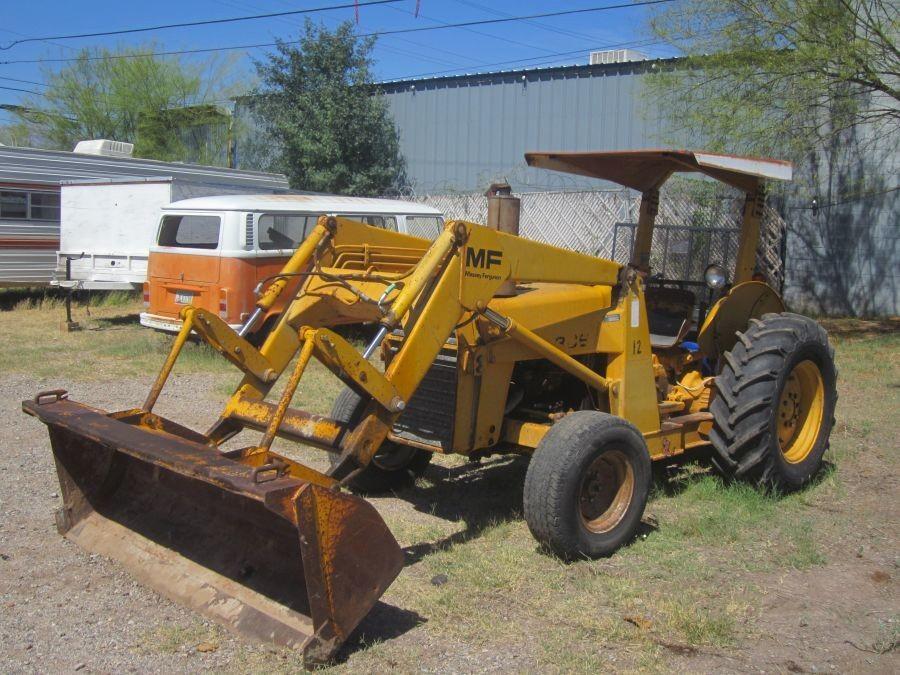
(63, 609)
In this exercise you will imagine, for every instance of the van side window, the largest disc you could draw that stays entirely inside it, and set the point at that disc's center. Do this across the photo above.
(287, 230)
(427, 227)
(189, 231)
(384, 222)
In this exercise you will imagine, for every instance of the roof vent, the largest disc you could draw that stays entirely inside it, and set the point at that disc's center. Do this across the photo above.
(616, 56)
(105, 148)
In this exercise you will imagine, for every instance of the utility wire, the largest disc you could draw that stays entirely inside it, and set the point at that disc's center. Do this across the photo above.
(849, 200)
(27, 91)
(396, 31)
(536, 24)
(507, 19)
(543, 59)
(473, 31)
(15, 79)
(206, 22)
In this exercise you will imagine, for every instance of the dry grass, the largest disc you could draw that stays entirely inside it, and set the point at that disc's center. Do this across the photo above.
(476, 584)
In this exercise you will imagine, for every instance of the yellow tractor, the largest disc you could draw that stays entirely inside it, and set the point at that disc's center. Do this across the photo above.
(491, 343)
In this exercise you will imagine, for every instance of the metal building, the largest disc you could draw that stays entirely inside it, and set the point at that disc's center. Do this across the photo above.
(460, 133)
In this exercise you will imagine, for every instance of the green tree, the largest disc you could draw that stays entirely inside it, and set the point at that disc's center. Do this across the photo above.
(779, 76)
(816, 82)
(118, 94)
(330, 128)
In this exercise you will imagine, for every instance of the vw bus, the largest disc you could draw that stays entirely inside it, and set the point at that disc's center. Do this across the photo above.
(212, 252)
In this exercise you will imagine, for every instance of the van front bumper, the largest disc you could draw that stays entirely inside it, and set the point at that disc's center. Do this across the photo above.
(167, 324)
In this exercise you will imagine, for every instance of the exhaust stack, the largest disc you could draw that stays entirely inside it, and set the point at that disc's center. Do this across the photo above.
(503, 216)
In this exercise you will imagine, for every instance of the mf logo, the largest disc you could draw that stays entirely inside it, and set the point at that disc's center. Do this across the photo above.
(483, 258)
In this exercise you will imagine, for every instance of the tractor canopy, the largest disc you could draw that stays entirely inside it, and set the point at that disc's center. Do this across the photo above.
(644, 170)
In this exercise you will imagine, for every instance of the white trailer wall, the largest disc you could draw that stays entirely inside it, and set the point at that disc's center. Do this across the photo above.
(111, 225)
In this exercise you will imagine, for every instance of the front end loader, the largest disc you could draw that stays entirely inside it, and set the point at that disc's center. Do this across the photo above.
(491, 343)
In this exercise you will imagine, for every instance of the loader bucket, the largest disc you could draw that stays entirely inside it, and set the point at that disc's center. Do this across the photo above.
(270, 557)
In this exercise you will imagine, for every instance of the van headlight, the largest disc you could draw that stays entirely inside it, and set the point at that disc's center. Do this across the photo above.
(715, 276)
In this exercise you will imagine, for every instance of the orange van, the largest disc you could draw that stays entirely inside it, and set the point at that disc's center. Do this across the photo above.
(212, 252)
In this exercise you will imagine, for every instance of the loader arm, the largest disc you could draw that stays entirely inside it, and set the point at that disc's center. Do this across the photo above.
(456, 276)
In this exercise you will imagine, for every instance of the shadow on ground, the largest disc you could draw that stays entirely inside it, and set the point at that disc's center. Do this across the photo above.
(127, 320)
(385, 622)
(478, 495)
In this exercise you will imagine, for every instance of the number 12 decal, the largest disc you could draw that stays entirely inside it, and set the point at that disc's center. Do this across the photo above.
(636, 347)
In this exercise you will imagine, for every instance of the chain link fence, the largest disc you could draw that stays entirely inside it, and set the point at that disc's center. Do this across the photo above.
(690, 233)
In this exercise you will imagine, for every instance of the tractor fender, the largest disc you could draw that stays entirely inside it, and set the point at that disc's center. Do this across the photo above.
(732, 313)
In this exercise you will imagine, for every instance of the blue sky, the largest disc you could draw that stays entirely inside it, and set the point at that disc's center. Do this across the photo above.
(537, 42)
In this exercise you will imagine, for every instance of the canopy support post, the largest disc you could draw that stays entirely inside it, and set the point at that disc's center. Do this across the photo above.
(643, 236)
(745, 265)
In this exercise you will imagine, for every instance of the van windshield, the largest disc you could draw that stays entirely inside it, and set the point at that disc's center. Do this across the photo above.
(190, 231)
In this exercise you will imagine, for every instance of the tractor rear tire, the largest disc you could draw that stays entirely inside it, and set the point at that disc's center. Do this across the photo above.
(587, 485)
(393, 467)
(774, 404)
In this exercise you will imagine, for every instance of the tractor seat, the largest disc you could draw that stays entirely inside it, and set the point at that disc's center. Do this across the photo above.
(669, 312)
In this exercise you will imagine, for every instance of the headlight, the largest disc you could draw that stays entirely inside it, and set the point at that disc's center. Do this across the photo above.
(715, 276)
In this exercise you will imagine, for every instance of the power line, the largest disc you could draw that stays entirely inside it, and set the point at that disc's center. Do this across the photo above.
(543, 59)
(507, 19)
(206, 22)
(397, 31)
(15, 79)
(536, 24)
(492, 36)
(419, 47)
(858, 197)
(27, 91)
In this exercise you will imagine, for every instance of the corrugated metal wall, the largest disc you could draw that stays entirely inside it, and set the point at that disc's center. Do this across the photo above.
(461, 133)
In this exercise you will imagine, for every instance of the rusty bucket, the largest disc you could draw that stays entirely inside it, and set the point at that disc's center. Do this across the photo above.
(269, 556)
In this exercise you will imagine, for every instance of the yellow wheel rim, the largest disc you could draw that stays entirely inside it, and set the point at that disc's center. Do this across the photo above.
(801, 408)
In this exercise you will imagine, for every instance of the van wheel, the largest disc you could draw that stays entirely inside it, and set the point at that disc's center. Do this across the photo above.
(587, 485)
(393, 467)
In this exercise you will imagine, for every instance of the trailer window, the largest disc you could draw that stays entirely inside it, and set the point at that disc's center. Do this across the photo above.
(44, 205)
(13, 204)
(428, 227)
(22, 205)
(286, 230)
(190, 231)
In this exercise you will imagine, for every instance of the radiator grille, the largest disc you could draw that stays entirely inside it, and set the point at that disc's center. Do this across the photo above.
(429, 416)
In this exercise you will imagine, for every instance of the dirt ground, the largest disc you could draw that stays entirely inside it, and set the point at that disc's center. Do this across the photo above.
(722, 579)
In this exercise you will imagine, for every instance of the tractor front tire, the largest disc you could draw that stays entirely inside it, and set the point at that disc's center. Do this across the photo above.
(587, 485)
(393, 466)
(774, 404)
